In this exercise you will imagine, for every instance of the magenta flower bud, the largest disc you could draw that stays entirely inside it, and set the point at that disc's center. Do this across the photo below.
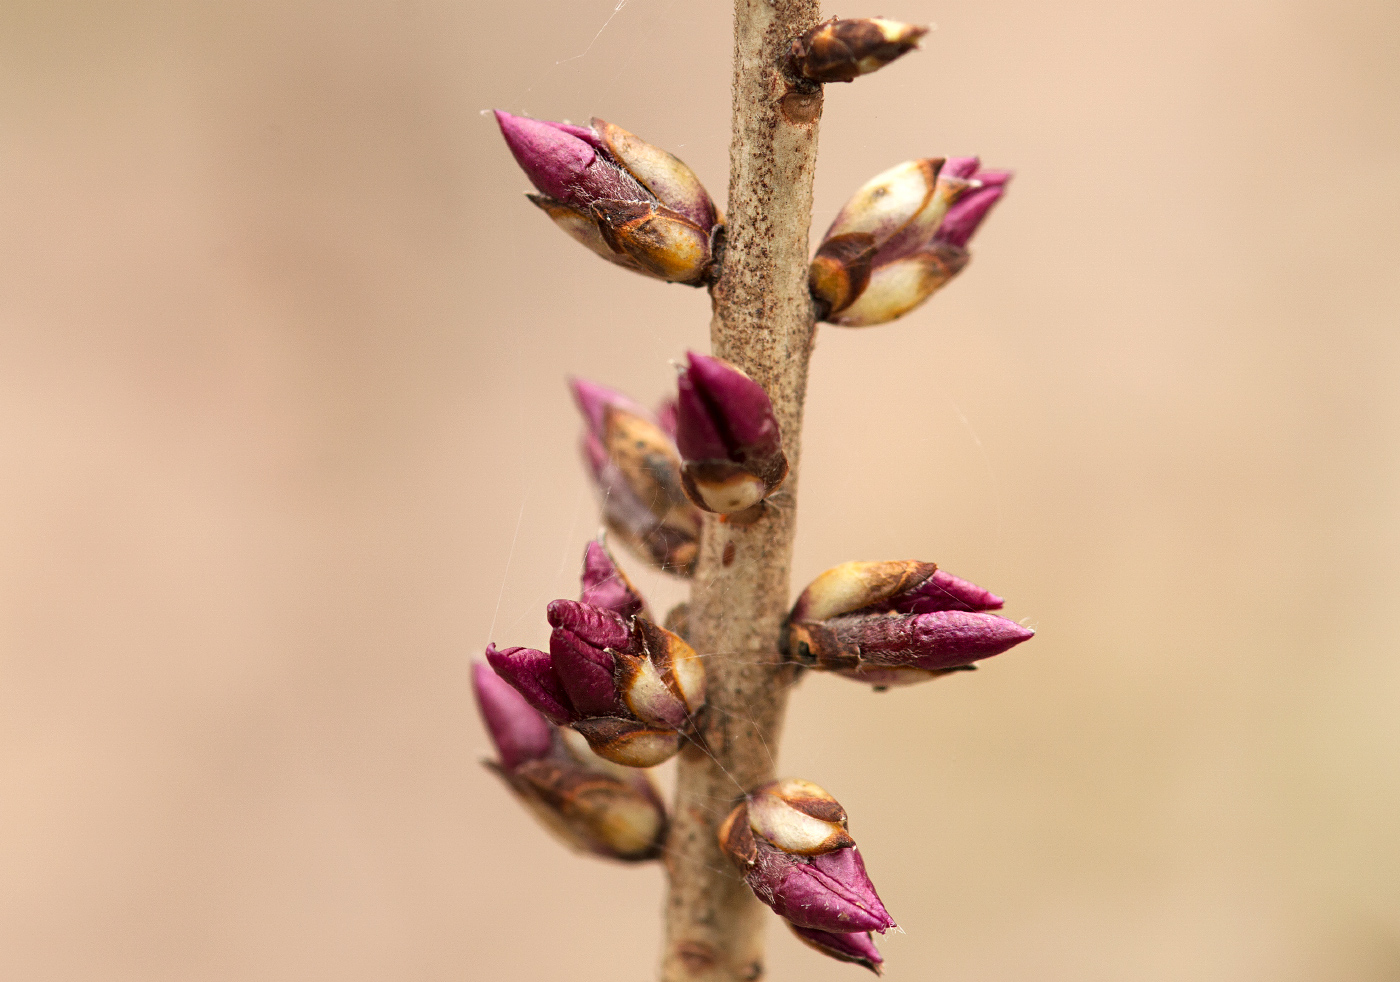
(892, 245)
(727, 435)
(636, 470)
(895, 623)
(517, 730)
(591, 805)
(628, 686)
(606, 585)
(789, 840)
(531, 673)
(858, 947)
(630, 202)
(965, 215)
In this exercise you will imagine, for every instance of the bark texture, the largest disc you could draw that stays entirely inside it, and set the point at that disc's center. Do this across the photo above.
(764, 323)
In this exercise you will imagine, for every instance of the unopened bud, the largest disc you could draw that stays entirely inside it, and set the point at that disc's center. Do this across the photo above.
(857, 947)
(591, 805)
(637, 472)
(900, 238)
(630, 202)
(517, 730)
(840, 50)
(606, 585)
(816, 885)
(895, 623)
(628, 686)
(727, 435)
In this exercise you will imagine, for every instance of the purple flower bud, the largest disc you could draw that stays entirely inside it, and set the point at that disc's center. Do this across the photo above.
(605, 585)
(637, 473)
(893, 244)
(518, 731)
(895, 623)
(631, 203)
(531, 673)
(967, 213)
(858, 947)
(727, 435)
(629, 687)
(822, 887)
(592, 805)
(564, 161)
(840, 50)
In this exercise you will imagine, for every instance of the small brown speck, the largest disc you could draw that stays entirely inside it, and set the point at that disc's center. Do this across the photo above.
(728, 558)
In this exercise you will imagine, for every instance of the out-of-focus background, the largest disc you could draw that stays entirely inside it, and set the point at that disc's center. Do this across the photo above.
(284, 441)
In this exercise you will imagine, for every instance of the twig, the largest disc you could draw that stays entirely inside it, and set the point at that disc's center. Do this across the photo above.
(764, 322)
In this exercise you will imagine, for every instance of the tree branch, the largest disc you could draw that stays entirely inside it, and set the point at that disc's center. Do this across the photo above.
(764, 323)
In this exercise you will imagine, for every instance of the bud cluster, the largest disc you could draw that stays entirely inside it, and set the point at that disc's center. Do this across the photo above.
(630, 687)
(900, 238)
(790, 841)
(895, 623)
(590, 804)
(630, 202)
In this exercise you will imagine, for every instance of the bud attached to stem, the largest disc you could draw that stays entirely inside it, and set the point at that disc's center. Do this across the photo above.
(789, 840)
(630, 687)
(630, 202)
(728, 437)
(636, 470)
(840, 50)
(895, 623)
(591, 805)
(900, 238)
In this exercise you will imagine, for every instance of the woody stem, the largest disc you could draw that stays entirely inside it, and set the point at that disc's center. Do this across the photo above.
(763, 322)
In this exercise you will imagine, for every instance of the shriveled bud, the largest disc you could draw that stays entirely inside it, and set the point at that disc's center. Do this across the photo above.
(591, 805)
(840, 50)
(628, 686)
(630, 202)
(727, 435)
(858, 947)
(818, 885)
(902, 236)
(637, 471)
(895, 623)
(606, 585)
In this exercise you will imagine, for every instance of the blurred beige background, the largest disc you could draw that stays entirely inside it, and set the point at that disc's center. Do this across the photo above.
(285, 442)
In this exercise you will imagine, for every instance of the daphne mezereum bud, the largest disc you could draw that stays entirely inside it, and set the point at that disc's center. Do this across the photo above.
(840, 50)
(605, 585)
(630, 687)
(590, 804)
(789, 839)
(731, 448)
(893, 244)
(895, 623)
(857, 947)
(637, 471)
(630, 202)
